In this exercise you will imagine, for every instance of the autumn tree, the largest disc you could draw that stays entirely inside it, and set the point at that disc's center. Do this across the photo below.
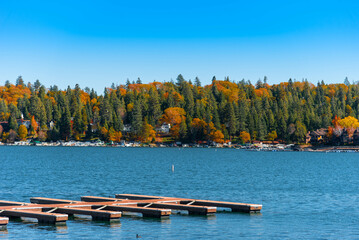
(349, 123)
(217, 136)
(245, 137)
(148, 134)
(272, 136)
(174, 116)
(34, 126)
(22, 132)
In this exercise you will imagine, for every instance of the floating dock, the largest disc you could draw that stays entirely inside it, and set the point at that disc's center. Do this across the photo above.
(57, 211)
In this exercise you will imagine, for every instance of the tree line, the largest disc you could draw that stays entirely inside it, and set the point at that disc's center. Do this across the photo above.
(224, 110)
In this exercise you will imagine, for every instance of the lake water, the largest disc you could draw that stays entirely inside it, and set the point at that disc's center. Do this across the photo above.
(304, 195)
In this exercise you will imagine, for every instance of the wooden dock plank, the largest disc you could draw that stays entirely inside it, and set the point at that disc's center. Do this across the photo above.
(42, 217)
(146, 212)
(41, 200)
(11, 203)
(236, 207)
(102, 199)
(199, 210)
(99, 199)
(98, 215)
(137, 197)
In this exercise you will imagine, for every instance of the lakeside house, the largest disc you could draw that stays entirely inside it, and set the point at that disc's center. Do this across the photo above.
(322, 136)
(164, 128)
(318, 136)
(356, 137)
(26, 123)
(127, 128)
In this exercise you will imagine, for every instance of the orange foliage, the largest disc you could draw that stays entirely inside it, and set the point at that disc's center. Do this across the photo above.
(198, 123)
(229, 89)
(157, 85)
(261, 92)
(336, 121)
(94, 101)
(174, 116)
(123, 92)
(13, 93)
(177, 97)
(84, 97)
(113, 135)
(140, 87)
(34, 126)
(245, 136)
(147, 133)
(217, 136)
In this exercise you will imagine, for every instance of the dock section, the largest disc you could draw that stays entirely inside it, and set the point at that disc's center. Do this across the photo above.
(235, 207)
(57, 211)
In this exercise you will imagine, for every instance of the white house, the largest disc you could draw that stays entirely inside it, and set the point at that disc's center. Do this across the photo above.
(164, 128)
(127, 128)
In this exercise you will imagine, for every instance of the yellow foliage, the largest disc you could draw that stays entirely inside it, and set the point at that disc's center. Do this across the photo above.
(130, 107)
(349, 122)
(22, 132)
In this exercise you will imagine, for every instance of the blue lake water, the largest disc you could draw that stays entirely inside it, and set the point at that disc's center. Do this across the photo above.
(304, 195)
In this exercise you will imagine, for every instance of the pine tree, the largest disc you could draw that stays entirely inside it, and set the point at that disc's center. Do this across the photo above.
(231, 119)
(137, 118)
(197, 82)
(155, 112)
(180, 80)
(188, 98)
(12, 122)
(65, 124)
(183, 131)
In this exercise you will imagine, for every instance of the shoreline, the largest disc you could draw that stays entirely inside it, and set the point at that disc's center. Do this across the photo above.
(247, 147)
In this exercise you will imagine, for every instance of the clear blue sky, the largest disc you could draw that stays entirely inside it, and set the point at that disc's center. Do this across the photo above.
(95, 43)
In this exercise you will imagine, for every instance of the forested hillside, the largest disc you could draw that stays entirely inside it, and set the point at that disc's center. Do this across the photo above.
(223, 110)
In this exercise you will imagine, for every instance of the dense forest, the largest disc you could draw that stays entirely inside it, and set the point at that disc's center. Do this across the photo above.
(222, 111)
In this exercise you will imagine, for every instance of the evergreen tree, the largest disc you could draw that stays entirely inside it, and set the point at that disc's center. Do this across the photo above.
(12, 122)
(65, 124)
(183, 131)
(180, 80)
(197, 82)
(154, 107)
(137, 118)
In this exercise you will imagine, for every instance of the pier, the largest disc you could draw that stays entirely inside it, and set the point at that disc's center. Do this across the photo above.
(58, 211)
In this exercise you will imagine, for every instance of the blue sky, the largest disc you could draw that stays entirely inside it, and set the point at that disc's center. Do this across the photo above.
(95, 43)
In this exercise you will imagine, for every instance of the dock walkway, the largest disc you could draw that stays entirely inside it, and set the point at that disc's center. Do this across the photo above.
(57, 211)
